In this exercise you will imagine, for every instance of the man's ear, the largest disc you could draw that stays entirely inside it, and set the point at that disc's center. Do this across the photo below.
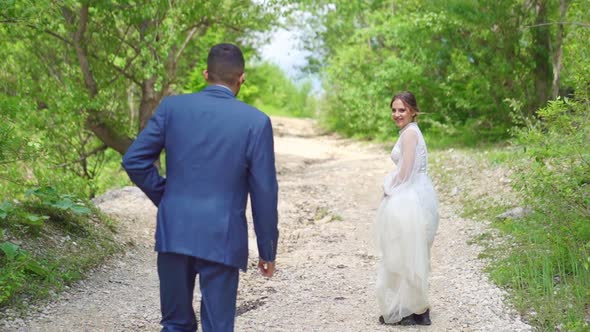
(242, 78)
(206, 75)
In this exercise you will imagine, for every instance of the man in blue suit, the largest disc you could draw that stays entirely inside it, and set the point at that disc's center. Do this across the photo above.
(218, 149)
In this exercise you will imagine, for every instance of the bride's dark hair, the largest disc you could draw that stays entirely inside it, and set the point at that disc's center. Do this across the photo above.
(408, 99)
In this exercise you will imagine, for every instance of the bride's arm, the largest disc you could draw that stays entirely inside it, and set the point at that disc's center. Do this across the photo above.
(406, 169)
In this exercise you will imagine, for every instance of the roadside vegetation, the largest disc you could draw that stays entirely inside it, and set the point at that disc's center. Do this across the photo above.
(502, 84)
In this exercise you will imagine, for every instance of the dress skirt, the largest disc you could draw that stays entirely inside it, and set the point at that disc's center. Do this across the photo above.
(404, 230)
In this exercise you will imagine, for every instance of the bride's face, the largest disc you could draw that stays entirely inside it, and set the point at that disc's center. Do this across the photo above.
(401, 114)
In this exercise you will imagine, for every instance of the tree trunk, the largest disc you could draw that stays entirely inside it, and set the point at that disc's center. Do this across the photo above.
(107, 135)
(558, 56)
(149, 102)
(541, 50)
(131, 105)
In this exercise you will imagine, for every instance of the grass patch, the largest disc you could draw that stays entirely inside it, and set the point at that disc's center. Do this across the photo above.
(324, 214)
(498, 156)
(277, 111)
(481, 208)
(547, 275)
(38, 259)
(482, 238)
(542, 260)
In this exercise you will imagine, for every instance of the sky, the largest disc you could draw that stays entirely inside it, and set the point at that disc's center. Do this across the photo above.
(284, 49)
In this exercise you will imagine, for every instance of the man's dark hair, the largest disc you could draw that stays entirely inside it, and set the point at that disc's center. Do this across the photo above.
(225, 63)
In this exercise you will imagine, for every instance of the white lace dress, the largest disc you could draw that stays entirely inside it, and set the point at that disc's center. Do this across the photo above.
(404, 229)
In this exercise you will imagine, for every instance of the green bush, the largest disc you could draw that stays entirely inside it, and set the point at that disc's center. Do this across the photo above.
(548, 267)
(554, 174)
(269, 89)
(18, 268)
(48, 240)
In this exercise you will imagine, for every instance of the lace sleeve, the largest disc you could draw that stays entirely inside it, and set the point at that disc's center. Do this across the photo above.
(407, 164)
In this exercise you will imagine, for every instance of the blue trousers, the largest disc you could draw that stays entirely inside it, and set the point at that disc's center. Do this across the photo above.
(219, 286)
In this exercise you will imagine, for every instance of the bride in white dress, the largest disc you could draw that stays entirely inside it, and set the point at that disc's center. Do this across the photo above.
(406, 223)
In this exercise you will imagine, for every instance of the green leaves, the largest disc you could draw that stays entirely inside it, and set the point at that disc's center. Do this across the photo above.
(550, 172)
(462, 59)
(5, 208)
(9, 249)
(9, 210)
(35, 220)
(269, 89)
(13, 254)
(50, 197)
(45, 204)
(72, 104)
(68, 204)
(17, 265)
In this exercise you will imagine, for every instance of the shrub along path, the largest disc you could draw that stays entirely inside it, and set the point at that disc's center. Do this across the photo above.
(329, 191)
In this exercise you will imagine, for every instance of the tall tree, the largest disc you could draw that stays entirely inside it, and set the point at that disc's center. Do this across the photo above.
(473, 64)
(558, 52)
(541, 34)
(96, 58)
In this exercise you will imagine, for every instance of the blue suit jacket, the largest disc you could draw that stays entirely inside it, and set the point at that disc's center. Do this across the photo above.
(218, 149)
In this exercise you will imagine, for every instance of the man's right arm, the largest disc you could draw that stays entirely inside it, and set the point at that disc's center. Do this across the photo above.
(139, 159)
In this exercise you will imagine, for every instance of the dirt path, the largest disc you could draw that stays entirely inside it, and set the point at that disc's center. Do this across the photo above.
(329, 191)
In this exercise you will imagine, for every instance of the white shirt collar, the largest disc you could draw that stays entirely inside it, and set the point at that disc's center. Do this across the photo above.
(224, 86)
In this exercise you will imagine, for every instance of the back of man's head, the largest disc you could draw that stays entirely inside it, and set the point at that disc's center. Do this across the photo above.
(225, 64)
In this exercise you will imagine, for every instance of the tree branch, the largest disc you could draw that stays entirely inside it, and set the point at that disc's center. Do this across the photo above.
(69, 18)
(50, 70)
(123, 71)
(51, 33)
(10, 179)
(231, 27)
(89, 80)
(124, 41)
(11, 161)
(83, 157)
(107, 135)
(188, 38)
(34, 27)
(585, 25)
